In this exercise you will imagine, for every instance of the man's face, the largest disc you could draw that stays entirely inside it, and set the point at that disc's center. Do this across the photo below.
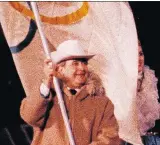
(74, 73)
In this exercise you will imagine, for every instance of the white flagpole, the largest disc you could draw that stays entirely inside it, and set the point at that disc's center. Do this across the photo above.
(55, 80)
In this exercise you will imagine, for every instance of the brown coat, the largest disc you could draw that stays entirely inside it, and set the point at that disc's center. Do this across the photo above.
(90, 114)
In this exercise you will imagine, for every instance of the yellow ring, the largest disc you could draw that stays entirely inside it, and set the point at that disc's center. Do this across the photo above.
(65, 20)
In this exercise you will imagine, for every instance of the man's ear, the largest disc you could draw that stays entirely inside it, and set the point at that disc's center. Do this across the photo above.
(58, 70)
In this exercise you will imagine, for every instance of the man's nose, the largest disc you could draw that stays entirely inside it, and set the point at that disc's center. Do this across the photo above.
(81, 66)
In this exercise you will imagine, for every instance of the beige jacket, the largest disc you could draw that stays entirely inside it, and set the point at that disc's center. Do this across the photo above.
(90, 115)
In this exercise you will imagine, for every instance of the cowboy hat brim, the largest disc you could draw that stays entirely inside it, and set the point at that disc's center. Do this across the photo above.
(59, 57)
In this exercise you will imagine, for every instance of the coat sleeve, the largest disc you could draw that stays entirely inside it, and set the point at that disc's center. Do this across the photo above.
(107, 132)
(33, 109)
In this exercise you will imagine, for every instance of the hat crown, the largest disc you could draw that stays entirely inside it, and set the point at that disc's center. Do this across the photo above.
(71, 47)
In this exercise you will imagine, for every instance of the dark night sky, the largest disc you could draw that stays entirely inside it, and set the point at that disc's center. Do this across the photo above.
(147, 17)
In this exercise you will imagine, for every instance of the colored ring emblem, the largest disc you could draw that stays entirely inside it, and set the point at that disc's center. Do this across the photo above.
(65, 20)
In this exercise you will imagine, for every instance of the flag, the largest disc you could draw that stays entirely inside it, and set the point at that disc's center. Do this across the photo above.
(104, 28)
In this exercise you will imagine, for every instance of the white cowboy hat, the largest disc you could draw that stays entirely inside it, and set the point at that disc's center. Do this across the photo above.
(69, 49)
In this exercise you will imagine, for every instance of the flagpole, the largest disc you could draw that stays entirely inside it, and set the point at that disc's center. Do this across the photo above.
(55, 80)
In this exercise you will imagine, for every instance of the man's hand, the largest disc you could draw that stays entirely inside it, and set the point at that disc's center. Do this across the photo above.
(48, 72)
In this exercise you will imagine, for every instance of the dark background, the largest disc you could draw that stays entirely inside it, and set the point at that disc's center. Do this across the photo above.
(147, 18)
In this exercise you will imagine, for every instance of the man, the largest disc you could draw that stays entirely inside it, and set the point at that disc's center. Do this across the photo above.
(89, 111)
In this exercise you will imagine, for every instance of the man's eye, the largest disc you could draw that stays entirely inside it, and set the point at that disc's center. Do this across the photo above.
(85, 62)
(75, 63)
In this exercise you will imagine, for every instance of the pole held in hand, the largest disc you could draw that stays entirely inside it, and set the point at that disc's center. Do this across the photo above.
(55, 80)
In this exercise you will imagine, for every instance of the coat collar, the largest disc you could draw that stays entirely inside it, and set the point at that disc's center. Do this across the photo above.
(92, 87)
(80, 95)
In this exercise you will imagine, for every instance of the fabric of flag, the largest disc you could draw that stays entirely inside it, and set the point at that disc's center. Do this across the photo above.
(104, 28)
